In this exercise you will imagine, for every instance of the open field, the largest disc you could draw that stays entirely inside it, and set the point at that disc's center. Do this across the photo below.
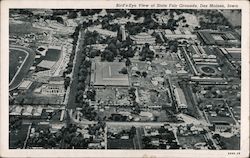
(232, 143)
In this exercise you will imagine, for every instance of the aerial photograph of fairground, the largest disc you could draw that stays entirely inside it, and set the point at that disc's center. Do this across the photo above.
(134, 79)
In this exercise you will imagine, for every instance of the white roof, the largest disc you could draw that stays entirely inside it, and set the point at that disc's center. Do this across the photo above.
(168, 71)
(146, 114)
(38, 111)
(16, 111)
(25, 84)
(46, 64)
(28, 111)
(168, 32)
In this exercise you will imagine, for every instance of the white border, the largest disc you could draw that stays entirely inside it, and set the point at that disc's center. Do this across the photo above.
(5, 152)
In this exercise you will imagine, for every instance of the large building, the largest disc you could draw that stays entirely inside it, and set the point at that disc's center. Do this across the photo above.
(55, 86)
(108, 74)
(213, 37)
(143, 38)
(103, 32)
(180, 98)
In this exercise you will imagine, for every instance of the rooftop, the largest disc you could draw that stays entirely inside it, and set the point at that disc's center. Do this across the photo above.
(107, 73)
(46, 64)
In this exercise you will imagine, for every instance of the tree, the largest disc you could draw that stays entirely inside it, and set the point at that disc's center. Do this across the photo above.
(132, 132)
(72, 15)
(66, 82)
(144, 74)
(124, 71)
(128, 62)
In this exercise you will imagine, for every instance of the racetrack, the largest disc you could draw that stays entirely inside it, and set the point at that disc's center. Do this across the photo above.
(24, 67)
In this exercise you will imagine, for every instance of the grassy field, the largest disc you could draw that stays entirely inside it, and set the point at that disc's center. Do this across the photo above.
(16, 57)
(17, 137)
(232, 143)
(22, 28)
(190, 141)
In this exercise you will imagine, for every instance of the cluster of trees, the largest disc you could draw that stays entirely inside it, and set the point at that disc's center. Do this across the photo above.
(146, 53)
(83, 72)
(91, 94)
(134, 28)
(132, 96)
(65, 138)
(106, 25)
(88, 111)
(118, 13)
(212, 20)
(123, 70)
(66, 82)
(173, 45)
(93, 38)
(150, 23)
(72, 55)
(58, 12)
(95, 129)
(72, 14)
(111, 51)
(131, 93)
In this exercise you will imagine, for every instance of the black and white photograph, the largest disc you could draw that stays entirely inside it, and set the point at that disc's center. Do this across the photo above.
(125, 78)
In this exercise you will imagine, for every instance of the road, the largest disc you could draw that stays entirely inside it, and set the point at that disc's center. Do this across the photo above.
(71, 93)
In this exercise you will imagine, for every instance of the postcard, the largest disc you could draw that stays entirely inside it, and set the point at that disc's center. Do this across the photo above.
(146, 79)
